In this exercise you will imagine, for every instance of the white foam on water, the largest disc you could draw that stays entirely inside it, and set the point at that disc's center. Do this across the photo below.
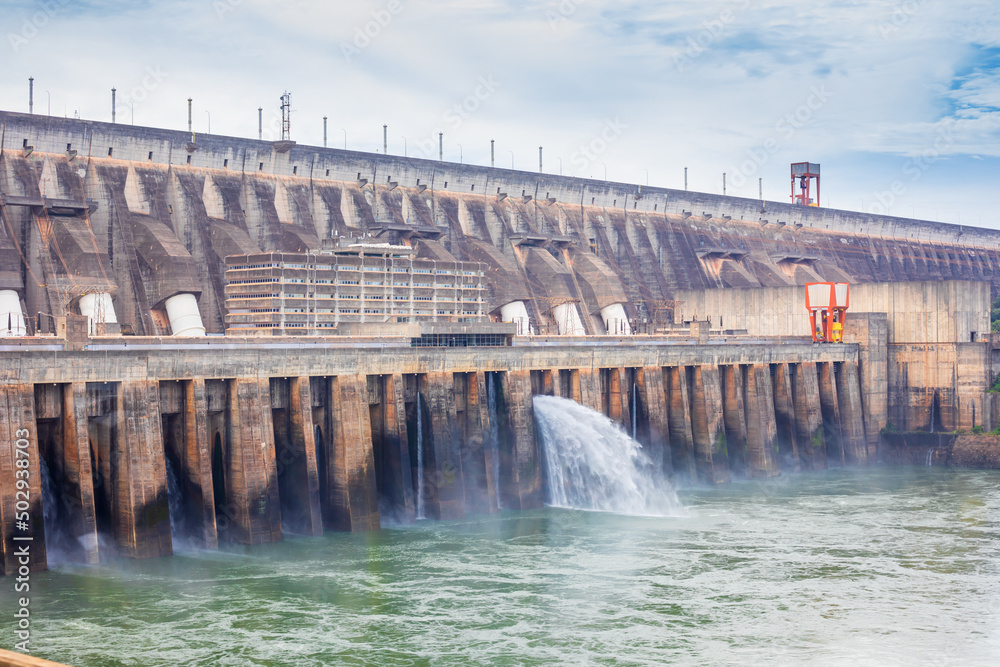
(592, 464)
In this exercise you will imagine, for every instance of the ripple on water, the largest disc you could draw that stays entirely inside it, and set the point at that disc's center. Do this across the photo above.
(870, 567)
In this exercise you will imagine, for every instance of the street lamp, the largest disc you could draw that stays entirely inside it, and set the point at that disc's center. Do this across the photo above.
(345, 139)
(404, 146)
(460, 153)
(209, 121)
(605, 170)
(511, 158)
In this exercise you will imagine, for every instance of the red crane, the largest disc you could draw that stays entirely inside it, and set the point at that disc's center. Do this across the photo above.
(803, 174)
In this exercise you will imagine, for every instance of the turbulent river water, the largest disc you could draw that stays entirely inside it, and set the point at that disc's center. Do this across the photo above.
(870, 566)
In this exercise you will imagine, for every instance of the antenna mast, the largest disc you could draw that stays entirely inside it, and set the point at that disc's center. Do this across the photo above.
(286, 116)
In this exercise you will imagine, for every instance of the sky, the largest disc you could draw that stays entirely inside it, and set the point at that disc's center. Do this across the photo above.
(899, 101)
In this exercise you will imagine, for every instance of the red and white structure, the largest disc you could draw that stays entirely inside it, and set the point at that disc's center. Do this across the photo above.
(827, 304)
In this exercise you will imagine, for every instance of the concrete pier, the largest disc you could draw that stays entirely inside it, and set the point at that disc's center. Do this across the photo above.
(809, 417)
(333, 407)
(708, 430)
(301, 438)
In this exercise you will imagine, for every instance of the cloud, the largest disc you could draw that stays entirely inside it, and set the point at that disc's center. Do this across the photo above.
(698, 83)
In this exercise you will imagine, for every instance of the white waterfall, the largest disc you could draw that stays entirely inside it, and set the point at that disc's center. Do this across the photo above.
(59, 544)
(491, 401)
(930, 456)
(174, 502)
(592, 464)
(420, 459)
(49, 501)
(635, 411)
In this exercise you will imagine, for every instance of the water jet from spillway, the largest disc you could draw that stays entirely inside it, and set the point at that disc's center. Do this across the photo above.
(420, 459)
(592, 464)
(494, 444)
(174, 502)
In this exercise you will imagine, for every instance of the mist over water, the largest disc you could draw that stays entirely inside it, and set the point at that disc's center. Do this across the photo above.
(592, 464)
(876, 566)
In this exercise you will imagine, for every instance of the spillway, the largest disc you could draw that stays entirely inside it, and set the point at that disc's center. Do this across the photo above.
(592, 464)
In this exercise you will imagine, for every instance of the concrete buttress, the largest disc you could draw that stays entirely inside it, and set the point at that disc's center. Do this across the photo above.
(141, 518)
(298, 462)
(397, 449)
(521, 426)
(618, 393)
(832, 425)
(784, 412)
(17, 426)
(352, 502)
(653, 394)
(762, 431)
(575, 387)
(681, 437)
(197, 462)
(708, 426)
(851, 414)
(254, 509)
(734, 414)
(589, 380)
(477, 469)
(77, 475)
(870, 331)
(548, 382)
(809, 417)
(445, 490)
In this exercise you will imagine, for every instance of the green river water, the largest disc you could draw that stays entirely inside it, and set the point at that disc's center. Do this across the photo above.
(878, 566)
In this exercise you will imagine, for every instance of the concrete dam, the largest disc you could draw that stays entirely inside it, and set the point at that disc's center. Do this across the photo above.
(236, 340)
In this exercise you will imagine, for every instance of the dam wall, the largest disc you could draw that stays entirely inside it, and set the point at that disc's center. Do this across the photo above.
(146, 215)
(950, 311)
(926, 343)
(311, 435)
(113, 247)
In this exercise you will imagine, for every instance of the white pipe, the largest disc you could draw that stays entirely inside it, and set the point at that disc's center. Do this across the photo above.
(517, 312)
(568, 320)
(185, 318)
(98, 307)
(10, 310)
(615, 320)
